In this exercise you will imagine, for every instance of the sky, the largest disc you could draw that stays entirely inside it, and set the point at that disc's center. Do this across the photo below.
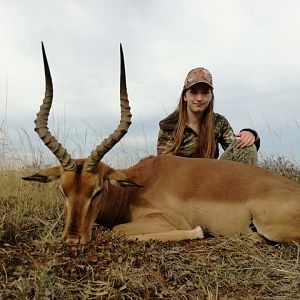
(252, 49)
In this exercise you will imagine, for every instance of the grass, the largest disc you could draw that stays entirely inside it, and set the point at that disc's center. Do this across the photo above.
(112, 268)
(36, 264)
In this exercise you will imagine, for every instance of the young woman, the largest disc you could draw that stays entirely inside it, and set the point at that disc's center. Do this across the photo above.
(195, 130)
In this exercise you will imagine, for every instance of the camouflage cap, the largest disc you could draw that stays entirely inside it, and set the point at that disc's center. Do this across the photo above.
(198, 75)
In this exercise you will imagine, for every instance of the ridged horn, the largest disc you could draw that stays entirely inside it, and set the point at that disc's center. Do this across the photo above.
(41, 123)
(92, 161)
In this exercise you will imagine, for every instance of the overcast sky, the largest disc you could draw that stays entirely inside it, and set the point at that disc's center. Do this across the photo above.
(252, 49)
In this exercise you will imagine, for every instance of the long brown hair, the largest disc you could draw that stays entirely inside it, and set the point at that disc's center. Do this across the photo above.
(206, 139)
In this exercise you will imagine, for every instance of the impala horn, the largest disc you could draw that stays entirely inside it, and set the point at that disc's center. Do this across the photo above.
(91, 164)
(41, 123)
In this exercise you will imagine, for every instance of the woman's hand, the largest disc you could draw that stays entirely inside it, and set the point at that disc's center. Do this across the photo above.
(245, 139)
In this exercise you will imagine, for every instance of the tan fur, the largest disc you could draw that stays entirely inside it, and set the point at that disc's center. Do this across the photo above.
(177, 195)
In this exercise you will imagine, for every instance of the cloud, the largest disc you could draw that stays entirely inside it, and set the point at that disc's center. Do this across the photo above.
(251, 48)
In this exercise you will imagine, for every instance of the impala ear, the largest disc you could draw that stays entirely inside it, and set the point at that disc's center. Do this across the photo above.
(120, 179)
(45, 176)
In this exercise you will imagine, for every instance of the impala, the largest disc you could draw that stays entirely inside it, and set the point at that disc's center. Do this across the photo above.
(167, 198)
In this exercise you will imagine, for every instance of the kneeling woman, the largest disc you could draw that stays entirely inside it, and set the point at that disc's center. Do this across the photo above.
(195, 130)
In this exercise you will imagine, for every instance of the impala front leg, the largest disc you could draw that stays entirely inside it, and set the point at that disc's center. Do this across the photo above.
(169, 236)
(144, 232)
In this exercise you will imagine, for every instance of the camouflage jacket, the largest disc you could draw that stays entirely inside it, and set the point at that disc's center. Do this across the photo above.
(224, 135)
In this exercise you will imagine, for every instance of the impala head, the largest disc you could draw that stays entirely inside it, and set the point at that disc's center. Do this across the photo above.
(83, 183)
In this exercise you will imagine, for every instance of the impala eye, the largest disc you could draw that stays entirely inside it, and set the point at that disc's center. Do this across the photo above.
(96, 193)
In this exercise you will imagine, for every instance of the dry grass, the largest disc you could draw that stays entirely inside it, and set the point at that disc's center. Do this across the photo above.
(36, 264)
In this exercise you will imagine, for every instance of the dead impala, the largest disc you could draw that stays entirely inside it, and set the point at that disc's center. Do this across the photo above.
(167, 198)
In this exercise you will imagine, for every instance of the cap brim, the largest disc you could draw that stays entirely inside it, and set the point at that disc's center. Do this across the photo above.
(187, 86)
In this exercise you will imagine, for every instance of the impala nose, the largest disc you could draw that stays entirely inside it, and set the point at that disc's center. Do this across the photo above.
(75, 238)
(72, 240)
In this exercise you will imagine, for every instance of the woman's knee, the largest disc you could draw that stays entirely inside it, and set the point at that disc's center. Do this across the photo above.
(247, 155)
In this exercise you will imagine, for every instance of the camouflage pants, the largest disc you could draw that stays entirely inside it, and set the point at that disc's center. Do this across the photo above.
(246, 155)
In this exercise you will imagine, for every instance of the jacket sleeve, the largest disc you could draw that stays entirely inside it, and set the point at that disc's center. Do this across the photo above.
(165, 137)
(224, 132)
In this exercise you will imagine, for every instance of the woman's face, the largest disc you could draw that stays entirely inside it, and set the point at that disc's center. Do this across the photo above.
(198, 97)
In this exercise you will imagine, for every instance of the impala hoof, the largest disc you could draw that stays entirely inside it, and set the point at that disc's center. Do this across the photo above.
(207, 233)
